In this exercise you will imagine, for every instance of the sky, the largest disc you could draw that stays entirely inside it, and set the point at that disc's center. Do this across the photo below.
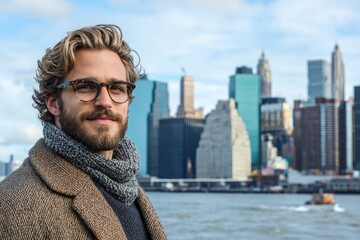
(208, 38)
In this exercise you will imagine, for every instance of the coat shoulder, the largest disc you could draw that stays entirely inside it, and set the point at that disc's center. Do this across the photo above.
(29, 209)
(23, 186)
(18, 217)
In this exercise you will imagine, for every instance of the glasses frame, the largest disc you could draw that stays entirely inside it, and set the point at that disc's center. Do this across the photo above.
(73, 83)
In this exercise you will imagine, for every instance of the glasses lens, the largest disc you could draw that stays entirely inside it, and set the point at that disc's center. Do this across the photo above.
(118, 92)
(86, 90)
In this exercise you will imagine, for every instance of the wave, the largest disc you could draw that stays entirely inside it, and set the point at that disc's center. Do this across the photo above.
(305, 208)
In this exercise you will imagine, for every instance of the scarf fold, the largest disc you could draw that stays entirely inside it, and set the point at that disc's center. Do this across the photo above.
(117, 175)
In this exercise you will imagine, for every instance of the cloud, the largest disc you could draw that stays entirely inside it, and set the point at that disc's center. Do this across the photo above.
(307, 21)
(204, 89)
(211, 38)
(121, 2)
(223, 7)
(208, 38)
(16, 101)
(43, 8)
(21, 134)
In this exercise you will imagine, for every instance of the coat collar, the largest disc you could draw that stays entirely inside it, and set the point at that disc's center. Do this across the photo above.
(64, 178)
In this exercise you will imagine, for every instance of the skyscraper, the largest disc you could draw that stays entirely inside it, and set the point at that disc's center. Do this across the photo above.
(357, 127)
(337, 75)
(319, 80)
(7, 167)
(179, 139)
(159, 109)
(346, 137)
(245, 88)
(264, 71)
(186, 108)
(151, 103)
(224, 149)
(320, 136)
(297, 133)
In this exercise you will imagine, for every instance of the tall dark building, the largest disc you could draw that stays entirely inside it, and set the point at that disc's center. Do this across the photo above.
(297, 162)
(357, 127)
(346, 137)
(320, 136)
(178, 141)
(310, 139)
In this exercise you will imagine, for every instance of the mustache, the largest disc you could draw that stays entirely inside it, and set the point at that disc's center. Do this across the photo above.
(100, 113)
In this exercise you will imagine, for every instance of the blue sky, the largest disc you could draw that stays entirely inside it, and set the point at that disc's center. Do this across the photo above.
(209, 38)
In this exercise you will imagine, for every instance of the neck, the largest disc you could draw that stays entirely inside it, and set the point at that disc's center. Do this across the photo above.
(107, 154)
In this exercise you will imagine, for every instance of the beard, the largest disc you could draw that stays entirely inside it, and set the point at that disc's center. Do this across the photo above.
(102, 140)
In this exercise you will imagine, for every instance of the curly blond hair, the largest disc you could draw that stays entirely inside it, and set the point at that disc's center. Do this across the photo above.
(59, 60)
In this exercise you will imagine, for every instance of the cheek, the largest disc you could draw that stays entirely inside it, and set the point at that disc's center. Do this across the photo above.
(124, 110)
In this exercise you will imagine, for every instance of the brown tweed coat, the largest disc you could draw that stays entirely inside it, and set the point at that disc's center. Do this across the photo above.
(48, 198)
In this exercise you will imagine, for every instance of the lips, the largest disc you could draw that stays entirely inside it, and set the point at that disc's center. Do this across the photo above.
(102, 120)
(105, 118)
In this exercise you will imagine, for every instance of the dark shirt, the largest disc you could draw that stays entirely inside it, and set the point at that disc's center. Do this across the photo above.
(129, 216)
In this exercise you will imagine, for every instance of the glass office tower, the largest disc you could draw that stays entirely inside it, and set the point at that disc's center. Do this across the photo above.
(245, 88)
(151, 103)
(319, 80)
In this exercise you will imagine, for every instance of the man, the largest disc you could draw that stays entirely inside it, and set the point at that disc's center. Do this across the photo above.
(79, 180)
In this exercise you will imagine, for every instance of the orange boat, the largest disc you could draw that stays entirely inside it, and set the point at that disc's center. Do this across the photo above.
(322, 198)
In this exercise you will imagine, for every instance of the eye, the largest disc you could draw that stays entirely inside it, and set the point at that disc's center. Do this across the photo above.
(85, 87)
(118, 88)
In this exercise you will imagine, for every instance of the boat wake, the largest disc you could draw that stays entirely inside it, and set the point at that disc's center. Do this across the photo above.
(306, 208)
(319, 208)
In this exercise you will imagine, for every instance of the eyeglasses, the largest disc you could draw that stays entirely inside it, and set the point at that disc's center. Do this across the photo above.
(87, 89)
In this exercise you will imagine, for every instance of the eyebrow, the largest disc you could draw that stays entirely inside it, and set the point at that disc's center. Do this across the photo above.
(111, 80)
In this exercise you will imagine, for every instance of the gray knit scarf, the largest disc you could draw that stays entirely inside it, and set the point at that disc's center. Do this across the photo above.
(117, 175)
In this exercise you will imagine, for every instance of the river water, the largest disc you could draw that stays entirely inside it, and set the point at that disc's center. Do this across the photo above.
(255, 216)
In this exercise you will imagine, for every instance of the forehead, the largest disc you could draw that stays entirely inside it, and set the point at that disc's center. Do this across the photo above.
(102, 65)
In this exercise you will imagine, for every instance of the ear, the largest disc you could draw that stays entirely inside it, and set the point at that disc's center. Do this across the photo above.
(53, 106)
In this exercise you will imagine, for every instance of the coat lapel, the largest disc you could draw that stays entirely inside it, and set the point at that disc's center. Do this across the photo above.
(88, 202)
(152, 221)
(97, 214)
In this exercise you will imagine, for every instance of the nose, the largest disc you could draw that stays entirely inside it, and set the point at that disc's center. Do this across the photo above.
(103, 100)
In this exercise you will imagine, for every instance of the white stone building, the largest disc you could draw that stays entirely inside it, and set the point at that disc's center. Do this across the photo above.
(224, 148)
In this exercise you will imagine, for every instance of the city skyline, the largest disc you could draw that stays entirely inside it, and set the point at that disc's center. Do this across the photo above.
(209, 39)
